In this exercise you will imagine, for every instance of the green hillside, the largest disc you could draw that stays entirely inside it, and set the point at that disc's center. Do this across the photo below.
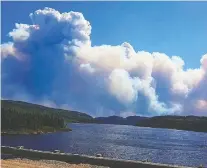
(69, 116)
(25, 118)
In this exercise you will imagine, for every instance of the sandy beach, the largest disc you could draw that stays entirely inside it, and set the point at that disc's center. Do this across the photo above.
(26, 163)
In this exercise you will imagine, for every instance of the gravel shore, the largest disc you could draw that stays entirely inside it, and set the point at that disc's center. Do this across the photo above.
(26, 163)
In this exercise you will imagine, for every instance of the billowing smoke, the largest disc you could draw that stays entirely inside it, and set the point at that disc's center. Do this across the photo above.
(52, 62)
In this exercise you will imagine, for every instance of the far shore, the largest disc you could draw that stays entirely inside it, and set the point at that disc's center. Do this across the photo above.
(34, 132)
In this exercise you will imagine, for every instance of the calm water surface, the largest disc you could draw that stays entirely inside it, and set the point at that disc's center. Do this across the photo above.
(123, 142)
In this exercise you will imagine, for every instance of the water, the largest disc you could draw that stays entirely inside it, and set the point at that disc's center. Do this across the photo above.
(122, 142)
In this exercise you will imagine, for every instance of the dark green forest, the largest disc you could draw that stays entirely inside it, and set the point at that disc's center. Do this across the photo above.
(16, 115)
(14, 119)
(191, 123)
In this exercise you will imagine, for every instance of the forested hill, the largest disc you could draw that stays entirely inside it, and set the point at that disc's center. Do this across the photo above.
(33, 116)
(67, 115)
(190, 123)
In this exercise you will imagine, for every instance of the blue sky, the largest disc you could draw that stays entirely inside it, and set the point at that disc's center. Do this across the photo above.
(158, 84)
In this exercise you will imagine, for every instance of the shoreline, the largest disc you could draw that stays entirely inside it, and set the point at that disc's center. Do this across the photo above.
(53, 130)
(167, 128)
(34, 132)
(82, 159)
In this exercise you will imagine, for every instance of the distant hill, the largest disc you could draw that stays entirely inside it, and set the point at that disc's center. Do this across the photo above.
(131, 120)
(191, 123)
(67, 115)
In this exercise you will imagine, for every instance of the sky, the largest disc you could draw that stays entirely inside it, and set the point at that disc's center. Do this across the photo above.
(106, 58)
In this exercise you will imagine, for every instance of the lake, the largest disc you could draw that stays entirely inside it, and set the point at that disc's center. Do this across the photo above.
(123, 142)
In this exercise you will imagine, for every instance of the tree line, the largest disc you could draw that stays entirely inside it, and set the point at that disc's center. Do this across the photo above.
(12, 118)
(191, 123)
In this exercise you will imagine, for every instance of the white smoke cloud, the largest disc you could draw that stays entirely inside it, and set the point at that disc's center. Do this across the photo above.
(122, 86)
(127, 113)
(138, 80)
(87, 67)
